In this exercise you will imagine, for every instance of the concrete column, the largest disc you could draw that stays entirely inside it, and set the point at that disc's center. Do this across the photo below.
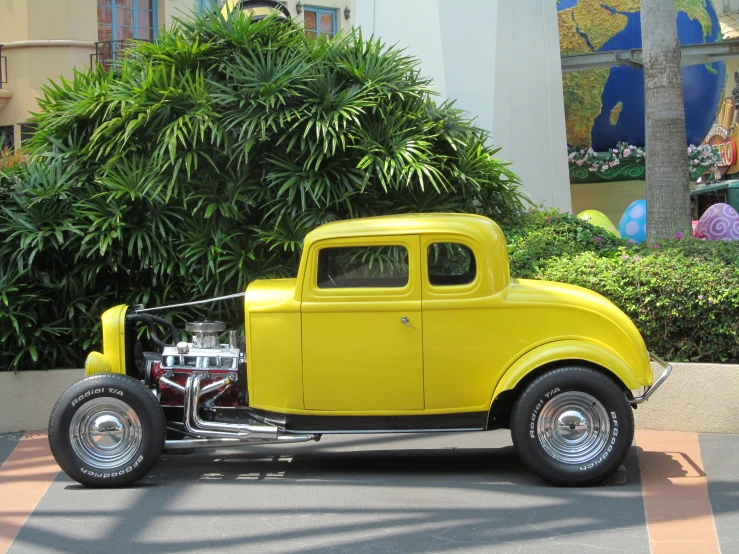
(500, 60)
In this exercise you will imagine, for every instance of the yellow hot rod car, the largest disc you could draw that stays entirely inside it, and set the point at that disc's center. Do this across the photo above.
(394, 324)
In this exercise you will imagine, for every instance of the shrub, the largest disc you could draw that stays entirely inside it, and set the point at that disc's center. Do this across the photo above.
(682, 294)
(538, 235)
(686, 309)
(200, 165)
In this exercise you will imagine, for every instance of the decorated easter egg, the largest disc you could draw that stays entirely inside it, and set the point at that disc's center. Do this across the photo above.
(599, 219)
(719, 222)
(633, 225)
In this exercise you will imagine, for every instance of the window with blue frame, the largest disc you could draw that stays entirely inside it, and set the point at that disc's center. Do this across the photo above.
(319, 22)
(127, 19)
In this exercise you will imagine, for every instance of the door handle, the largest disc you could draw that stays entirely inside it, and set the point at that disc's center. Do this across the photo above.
(407, 321)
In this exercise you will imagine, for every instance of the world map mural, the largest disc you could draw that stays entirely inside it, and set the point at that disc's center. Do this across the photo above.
(606, 106)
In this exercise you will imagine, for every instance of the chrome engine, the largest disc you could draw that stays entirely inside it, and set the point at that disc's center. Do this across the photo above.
(204, 377)
(207, 358)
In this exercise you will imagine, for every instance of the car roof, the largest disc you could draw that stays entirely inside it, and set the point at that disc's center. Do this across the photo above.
(407, 224)
(479, 231)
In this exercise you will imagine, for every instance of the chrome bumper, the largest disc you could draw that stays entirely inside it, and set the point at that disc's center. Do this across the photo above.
(649, 391)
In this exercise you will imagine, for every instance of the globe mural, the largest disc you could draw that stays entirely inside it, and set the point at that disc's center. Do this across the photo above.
(606, 106)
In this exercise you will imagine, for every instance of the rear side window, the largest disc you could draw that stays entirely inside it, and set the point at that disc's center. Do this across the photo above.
(363, 267)
(451, 263)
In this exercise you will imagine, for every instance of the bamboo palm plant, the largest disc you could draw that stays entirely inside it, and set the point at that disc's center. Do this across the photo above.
(200, 164)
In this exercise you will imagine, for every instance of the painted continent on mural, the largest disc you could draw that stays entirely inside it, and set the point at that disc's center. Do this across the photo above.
(606, 106)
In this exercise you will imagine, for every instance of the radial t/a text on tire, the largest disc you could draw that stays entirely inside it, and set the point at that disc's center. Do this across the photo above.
(572, 426)
(107, 430)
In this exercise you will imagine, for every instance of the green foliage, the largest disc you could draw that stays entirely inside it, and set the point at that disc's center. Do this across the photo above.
(682, 294)
(538, 235)
(200, 165)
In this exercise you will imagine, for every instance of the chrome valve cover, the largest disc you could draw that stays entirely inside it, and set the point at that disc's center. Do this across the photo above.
(221, 357)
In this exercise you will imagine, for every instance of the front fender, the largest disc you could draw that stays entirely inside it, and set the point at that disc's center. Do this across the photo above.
(113, 359)
(573, 350)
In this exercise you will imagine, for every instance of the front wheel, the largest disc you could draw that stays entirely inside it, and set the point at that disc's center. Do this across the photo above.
(572, 426)
(107, 430)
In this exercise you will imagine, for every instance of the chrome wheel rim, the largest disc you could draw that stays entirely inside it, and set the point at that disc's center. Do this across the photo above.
(573, 427)
(105, 433)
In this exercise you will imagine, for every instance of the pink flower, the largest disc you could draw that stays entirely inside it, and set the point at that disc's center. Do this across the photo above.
(580, 162)
(679, 235)
(695, 162)
(627, 152)
(711, 301)
(598, 240)
(690, 149)
(625, 257)
(700, 297)
(656, 245)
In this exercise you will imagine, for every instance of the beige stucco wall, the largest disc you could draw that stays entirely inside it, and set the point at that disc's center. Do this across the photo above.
(27, 397)
(701, 398)
(169, 9)
(25, 26)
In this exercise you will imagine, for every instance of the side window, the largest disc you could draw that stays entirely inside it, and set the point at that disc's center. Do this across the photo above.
(451, 263)
(363, 266)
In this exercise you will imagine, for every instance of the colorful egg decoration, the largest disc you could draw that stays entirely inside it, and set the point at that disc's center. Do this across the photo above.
(633, 225)
(599, 219)
(719, 222)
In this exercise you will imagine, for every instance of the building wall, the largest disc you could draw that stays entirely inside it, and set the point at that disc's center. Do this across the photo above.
(42, 40)
(338, 5)
(500, 61)
(28, 26)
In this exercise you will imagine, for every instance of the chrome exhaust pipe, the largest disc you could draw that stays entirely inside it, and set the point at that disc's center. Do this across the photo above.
(188, 444)
(240, 432)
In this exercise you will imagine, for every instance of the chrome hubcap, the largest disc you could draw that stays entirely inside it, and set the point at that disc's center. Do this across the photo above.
(105, 433)
(573, 427)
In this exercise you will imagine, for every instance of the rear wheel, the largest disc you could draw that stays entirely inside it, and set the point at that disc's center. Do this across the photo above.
(107, 430)
(572, 426)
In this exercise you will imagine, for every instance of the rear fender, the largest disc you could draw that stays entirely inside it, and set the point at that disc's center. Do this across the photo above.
(566, 350)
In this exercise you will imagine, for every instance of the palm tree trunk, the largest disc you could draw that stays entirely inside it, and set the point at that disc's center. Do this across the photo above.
(668, 182)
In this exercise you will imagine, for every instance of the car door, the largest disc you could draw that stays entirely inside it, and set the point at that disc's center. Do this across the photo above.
(362, 327)
(460, 338)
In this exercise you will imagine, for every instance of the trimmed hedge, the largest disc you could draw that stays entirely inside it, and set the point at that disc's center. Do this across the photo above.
(682, 293)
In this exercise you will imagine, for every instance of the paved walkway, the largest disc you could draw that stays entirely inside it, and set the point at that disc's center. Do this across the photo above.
(377, 493)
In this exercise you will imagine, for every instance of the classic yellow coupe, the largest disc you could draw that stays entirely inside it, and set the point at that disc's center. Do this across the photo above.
(396, 324)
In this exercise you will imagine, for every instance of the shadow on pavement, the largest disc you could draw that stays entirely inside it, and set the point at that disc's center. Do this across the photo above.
(368, 500)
